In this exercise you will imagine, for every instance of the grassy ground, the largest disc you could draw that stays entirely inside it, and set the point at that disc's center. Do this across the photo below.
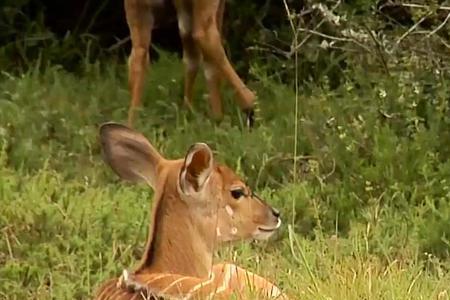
(366, 208)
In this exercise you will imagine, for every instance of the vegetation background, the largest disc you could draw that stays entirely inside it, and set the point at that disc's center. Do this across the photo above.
(352, 144)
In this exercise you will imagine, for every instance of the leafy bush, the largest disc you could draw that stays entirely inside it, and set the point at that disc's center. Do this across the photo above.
(352, 144)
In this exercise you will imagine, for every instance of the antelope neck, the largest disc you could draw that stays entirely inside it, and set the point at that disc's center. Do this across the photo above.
(182, 240)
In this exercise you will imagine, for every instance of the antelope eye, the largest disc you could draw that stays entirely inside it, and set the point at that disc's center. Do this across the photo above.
(238, 193)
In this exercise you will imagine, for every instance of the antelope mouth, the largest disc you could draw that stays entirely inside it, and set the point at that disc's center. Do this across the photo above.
(264, 229)
(270, 229)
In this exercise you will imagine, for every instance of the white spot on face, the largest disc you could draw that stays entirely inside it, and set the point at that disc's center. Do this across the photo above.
(234, 230)
(229, 210)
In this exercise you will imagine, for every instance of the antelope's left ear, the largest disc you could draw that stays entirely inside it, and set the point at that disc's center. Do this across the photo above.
(197, 168)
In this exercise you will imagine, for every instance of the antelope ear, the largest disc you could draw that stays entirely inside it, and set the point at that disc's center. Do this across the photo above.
(197, 168)
(129, 153)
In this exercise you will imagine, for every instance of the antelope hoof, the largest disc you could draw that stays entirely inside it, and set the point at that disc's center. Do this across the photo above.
(249, 117)
(188, 104)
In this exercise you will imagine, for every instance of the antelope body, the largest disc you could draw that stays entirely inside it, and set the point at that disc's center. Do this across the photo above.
(225, 280)
(198, 205)
(199, 23)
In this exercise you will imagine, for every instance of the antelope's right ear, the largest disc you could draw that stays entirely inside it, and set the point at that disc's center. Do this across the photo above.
(197, 168)
(129, 153)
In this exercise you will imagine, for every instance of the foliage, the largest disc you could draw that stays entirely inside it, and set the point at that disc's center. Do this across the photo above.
(328, 36)
(370, 206)
(366, 202)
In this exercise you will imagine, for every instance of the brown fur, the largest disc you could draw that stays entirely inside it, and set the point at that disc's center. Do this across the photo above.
(193, 204)
(226, 280)
(171, 231)
(200, 23)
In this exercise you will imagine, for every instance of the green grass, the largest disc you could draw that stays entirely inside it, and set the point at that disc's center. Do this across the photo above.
(368, 216)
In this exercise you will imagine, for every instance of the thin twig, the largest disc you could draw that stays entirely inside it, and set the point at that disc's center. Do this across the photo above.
(408, 32)
(378, 49)
(295, 41)
(421, 32)
(8, 244)
(290, 16)
(269, 48)
(444, 42)
(440, 26)
(333, 169)
(336, 38)
(412, 5)
(293, 239)
(298, 46)
(119, 43)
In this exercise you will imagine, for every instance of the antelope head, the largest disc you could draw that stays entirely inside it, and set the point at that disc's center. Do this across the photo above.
(198, 201)
(240, 213)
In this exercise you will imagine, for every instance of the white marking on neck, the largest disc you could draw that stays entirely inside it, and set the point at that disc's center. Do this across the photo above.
(218, 232)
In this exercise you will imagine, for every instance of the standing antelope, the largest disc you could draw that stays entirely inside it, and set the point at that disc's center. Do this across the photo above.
(198, 204)
(199, 23)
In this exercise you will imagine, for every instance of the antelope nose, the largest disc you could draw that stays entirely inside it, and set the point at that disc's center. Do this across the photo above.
(275, 212)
